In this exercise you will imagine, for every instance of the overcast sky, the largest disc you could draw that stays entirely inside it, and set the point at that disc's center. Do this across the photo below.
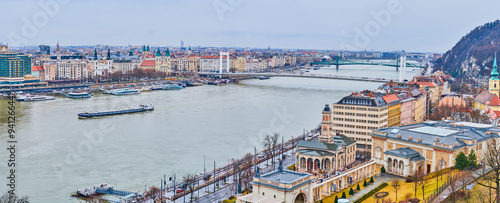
(387, 25)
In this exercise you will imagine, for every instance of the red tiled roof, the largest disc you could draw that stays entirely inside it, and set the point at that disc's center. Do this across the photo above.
(392, 99)
(148, 63)
(484, 97)
(495, 101)
(429, 84)
(37, 68)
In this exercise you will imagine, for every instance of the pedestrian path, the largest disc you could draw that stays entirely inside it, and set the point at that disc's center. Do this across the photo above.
(379, 179)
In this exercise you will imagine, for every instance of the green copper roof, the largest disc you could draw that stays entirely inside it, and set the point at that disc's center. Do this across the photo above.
(167, 53)
(147, 48)
(494, 73)
(158, 52)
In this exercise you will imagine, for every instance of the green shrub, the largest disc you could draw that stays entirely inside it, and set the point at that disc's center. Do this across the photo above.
(382, 170)
(336, 200)
(351, 192)
(367, 195)
(357, 188)
(364, 184)
(371, 180)
(343, 195)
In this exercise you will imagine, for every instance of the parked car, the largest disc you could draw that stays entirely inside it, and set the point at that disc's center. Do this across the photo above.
(179, 190)
(261, 155)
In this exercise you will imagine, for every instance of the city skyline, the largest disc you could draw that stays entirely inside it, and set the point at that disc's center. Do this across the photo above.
(354, 26)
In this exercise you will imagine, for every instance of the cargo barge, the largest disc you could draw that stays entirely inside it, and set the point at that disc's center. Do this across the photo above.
(142, 108)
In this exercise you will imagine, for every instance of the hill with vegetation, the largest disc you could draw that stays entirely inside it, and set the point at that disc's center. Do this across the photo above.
(472, 56)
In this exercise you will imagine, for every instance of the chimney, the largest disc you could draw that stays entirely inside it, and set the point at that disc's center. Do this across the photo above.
(419, 139)
(437, 139)
(399, 136)
(409, 138)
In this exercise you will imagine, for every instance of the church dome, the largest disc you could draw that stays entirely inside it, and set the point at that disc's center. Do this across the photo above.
(327, 108)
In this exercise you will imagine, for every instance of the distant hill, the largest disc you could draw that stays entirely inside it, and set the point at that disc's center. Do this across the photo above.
(472, 56)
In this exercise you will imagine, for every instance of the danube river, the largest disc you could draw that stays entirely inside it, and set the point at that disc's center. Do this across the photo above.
(57, 153)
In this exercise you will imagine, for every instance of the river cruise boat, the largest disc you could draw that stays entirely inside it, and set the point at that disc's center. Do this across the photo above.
(125, 91)
(28, 97)
(172, 87)
(79, 95)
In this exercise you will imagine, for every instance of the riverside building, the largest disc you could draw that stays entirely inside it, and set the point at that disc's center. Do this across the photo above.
(356, 116)
(430, 146)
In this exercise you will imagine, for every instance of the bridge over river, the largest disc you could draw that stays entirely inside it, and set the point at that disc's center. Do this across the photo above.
(321, 76)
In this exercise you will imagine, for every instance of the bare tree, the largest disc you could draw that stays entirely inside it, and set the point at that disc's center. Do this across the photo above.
(10, 198)
(466, 176)
(154, 193)
(190, 181)
(268, 144)
(416, 180)
(422, 184)
(274, 141)
(452, 182)
(396, 184)
(247, 161)
(492, 161)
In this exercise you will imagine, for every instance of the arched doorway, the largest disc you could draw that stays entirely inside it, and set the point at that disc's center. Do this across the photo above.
(301, 198)
(317, 164)
(309, 164)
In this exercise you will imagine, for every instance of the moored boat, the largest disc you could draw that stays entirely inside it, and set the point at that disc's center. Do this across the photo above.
(125, 91)
(28, 97)
(264, 78)
(141, 108)
(79, 95)
(172, 87)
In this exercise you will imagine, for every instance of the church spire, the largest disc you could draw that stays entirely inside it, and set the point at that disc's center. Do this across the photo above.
(158, 53)
(108, 56)
(95, 54)
(167, 53)
(494, 72)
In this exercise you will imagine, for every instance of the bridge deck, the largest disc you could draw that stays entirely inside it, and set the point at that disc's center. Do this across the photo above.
(336, 77)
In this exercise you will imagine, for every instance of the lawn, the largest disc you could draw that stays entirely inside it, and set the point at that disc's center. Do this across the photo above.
(331, 198)
(409, 188)
(479, 193)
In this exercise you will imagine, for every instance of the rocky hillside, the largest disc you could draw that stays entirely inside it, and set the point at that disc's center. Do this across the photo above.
(472, 56)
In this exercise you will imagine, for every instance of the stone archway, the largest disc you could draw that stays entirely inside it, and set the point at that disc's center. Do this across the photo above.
(303, 163)
(389, 165)
(309, 164)
(327, 164)
(301, 198)
(317, 164)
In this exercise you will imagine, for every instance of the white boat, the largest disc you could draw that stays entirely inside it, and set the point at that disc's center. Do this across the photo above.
(125, 91)
(28, 97)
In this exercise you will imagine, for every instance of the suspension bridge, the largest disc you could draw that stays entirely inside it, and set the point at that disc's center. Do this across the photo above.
(341, 62)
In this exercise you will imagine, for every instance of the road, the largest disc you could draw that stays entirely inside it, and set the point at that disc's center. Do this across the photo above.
(225, 189)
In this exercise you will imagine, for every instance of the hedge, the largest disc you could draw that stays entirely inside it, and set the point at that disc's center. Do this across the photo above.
(364, 197)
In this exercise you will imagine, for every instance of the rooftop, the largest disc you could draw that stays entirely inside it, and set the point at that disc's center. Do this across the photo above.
(285, 176)
(362, 101)
(445, 134)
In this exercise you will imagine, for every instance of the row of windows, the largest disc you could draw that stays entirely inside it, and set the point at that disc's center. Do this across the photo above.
(358, 108)
(355, 126)
(360, 120)
(360, 114)
(362, 139)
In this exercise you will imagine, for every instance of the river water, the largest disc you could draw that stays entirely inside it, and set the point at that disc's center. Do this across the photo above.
(57, 153)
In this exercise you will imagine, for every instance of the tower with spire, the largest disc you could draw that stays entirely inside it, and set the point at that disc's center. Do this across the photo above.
(494, 81)
(58, 52)
(158, 59)
(326, 125)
